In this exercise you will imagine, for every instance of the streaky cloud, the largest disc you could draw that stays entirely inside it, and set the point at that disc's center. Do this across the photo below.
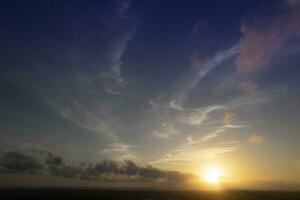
(166, 130)
(203, 68)
(199, 115)
(118, 151)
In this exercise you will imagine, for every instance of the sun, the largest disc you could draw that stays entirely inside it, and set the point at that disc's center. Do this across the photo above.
(212, 175)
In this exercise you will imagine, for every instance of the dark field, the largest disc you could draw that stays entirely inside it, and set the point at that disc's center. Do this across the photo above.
(144, 195)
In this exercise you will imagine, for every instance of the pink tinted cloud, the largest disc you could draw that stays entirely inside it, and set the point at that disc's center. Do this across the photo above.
(293, 3)
(259, 43)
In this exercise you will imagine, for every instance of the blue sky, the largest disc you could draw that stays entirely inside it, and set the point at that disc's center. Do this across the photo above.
(173, 84)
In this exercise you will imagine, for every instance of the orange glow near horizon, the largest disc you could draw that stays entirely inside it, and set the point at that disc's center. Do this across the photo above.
(212, 174)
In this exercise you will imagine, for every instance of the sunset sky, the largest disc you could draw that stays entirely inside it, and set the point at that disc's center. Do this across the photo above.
(200, 94)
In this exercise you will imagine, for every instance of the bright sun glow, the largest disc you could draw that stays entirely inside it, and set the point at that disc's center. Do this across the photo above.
(212, 175)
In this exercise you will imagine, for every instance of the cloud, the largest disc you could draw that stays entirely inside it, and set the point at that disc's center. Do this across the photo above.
(256, 139)
(252, 100)
(79, 92)
(124, 7)
(89, 119)
(199, 115)
(113, 92)
(220, 130)
(18, 162)
(192, 79)
(53, 160)
(126, 26)
(261, 41)
(151, 172)
(117, 51)
(192, 152)
(211, 135)
(166, 130)
(107, 166)
(293, 3)
(130, 168)
(117, 150)
(228, 118)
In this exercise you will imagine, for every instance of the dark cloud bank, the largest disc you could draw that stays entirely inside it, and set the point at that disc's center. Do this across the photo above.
(106, 170)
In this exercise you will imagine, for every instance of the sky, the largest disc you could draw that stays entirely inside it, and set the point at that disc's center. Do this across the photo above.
(135, 93)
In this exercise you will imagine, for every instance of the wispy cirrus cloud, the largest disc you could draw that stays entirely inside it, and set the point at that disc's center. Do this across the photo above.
(209, 136)
(249, 99)
(195, 152)
(255, 99)
(117, 151)
(124, 7)
(215, 131)
(199, 115)
(85, 118)
(114, 92)
(125, 25)
(166, 130)
(228, 118)
(81, 98)
(201, 70)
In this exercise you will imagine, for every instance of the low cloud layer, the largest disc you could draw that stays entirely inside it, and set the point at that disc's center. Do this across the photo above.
(16, 162)
(47, 163)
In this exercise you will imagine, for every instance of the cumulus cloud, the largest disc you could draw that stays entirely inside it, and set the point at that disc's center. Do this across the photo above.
(130, 168)
(150, 172)
(53, 160)
(256, 139)
(18, 162)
